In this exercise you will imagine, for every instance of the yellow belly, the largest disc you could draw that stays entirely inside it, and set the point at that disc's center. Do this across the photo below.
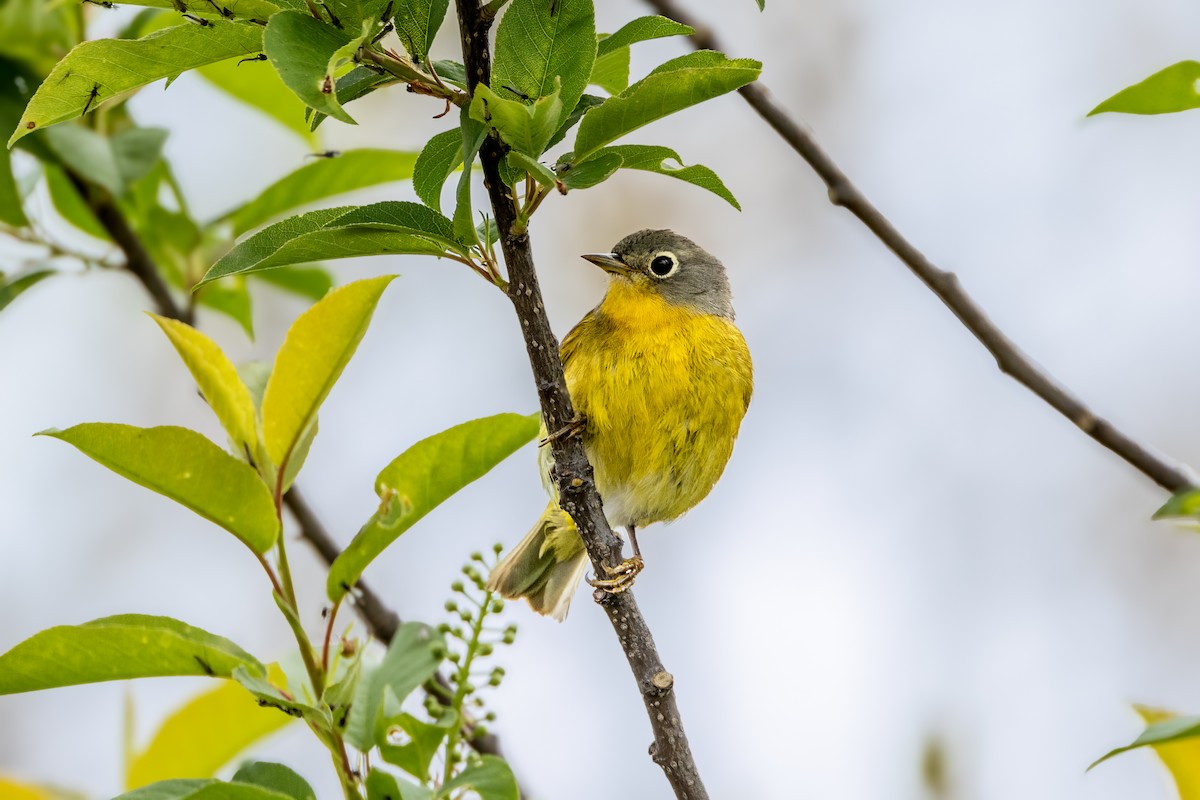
(664, 390)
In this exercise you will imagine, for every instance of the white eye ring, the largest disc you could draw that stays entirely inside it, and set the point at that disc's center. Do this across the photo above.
(664, 264)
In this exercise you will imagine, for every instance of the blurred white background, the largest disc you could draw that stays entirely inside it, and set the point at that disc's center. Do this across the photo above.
(906, 548)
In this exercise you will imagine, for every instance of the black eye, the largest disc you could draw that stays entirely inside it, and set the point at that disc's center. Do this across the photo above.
(663, 265)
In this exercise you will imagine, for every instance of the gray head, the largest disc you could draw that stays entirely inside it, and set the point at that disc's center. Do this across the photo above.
(673, 266)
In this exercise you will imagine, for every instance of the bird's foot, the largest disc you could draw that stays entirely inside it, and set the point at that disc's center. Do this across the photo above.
(621, 576)
(573, 428)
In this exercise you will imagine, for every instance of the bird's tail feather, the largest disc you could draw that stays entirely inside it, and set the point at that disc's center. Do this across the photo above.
(546, 567)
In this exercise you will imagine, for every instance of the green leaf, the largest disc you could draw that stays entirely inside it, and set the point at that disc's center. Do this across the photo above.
(301, 46)
(112, 67)
(317, 348)
(200, 789)
(1176, 88)
(356, 83)
(1166, 730)
(259, 86)
(381, 228)
(11, 211)
(540, 42)
(38, 33)
(424, 476)
(386, 786)
(218, 382)
(413, 656)
(118, 648)
(439, 158)
(525, 128)
(275, 777)
(652, 158)
(423, 741)
(1183, 504)
(417, 22)
(231, 298)
(202, 736)
(269, 695)
(243, 10)
(188, 468)
(10, 290)
(322, 178)
(452, 73)
(611, 71)
(136, 151)
(87, 153)
(540, 172)
(642, 29)
(68, 203)
(598, 168)
(311, 282)
(491, 779)
(586, 102)
(473, 134)
(673, 86)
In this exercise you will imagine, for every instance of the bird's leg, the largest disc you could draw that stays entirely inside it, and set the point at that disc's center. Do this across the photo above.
(623, 574)
(576, 426)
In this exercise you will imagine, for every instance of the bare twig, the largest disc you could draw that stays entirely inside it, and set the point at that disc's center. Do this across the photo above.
(1009, 358)
(572, 472)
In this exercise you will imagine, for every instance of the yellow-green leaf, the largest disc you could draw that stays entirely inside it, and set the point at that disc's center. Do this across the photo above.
(421, 478)
(188, 468)
(118, 648)
(203, 736)
(1181, 757)
(316, 350)
(218, 381)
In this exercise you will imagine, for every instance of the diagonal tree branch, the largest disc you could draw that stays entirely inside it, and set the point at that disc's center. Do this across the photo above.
(381, 620)
(572, 472)
(1009, 357)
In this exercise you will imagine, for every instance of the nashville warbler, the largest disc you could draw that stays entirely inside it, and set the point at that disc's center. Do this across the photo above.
(660, 378)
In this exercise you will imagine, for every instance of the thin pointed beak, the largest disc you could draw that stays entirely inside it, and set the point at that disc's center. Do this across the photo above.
(607, 262)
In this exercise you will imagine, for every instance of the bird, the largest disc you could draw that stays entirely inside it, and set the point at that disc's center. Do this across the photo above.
(660, 378)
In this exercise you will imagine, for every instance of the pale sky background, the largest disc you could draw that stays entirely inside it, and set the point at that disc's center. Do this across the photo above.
(907, 546)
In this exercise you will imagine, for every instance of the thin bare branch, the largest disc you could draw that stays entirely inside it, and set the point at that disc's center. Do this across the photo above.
(572, 472)
(1009, 357)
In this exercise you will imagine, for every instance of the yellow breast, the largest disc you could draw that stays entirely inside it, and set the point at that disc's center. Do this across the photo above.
(664, 389)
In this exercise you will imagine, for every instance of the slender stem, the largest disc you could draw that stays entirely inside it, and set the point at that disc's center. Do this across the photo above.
(1010, 359)
(572, 472)
(329, 634)
(462, 680)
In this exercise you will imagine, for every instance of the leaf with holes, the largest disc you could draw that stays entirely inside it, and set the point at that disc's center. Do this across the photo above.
(300, 47)
(421, 478)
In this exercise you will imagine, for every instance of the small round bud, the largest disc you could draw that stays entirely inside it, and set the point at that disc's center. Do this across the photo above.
(468, 687)
(508, 638)
(477, 556)
(457, 586)
(497, 547)
(454, 656)
(465, 615)
(438, 651)
(443, 628)
(486, 649)
(497, 606)
(451, 606)
(495, 680)
(479, 732)
(490, 716)
(454, 757)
